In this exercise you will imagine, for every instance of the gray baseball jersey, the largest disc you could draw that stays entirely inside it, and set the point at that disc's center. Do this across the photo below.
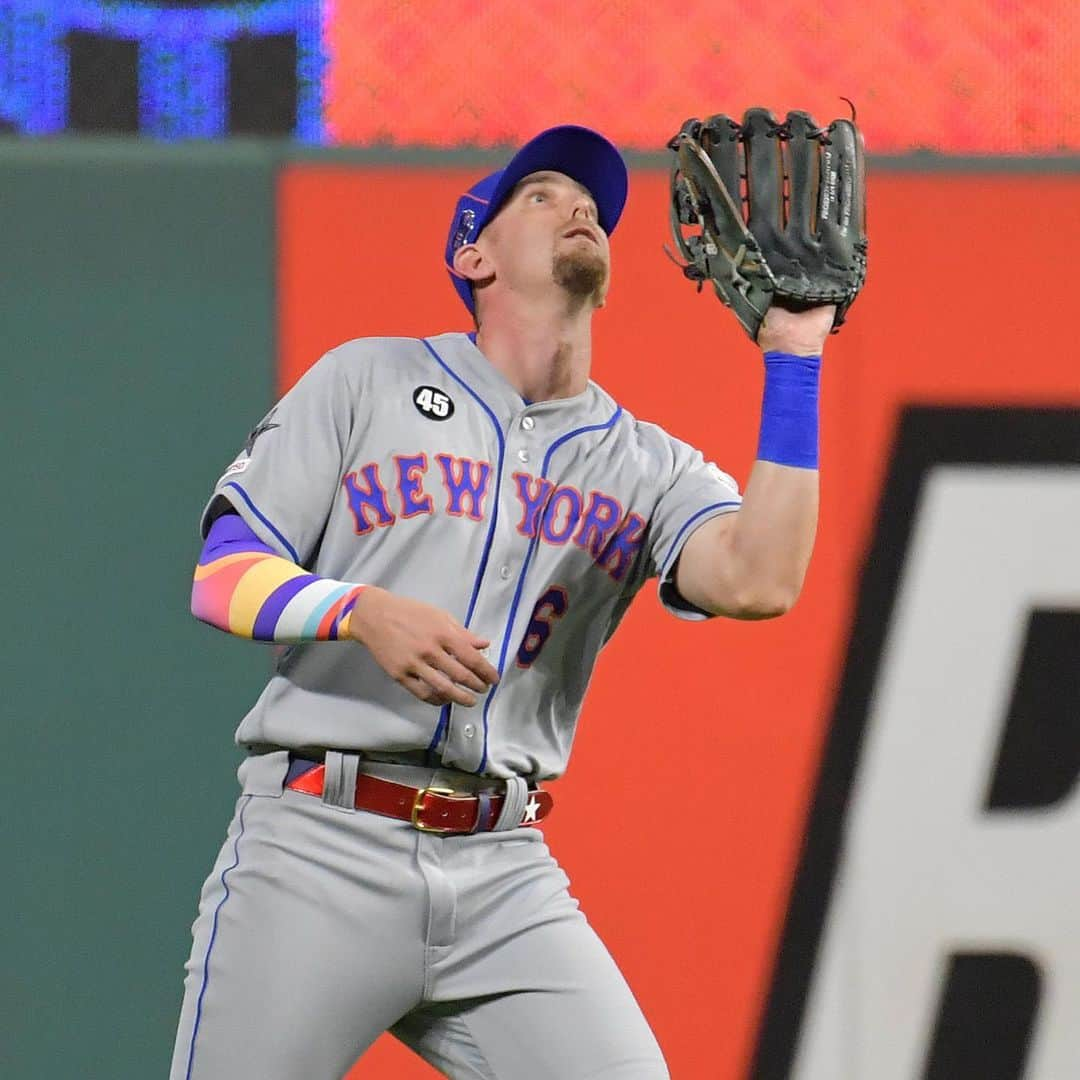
(412, 464)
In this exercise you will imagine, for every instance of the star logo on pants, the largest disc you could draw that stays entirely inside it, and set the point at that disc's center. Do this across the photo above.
(532, 808)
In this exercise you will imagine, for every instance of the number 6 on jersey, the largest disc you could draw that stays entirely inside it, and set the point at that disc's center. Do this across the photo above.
(552, 605)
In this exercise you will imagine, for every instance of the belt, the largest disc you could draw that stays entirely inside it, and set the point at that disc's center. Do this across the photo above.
(429, 809)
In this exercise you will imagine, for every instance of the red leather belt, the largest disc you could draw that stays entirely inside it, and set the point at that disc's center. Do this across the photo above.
(429, 809)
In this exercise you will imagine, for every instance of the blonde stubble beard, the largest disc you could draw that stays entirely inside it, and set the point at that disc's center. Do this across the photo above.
(583, 274)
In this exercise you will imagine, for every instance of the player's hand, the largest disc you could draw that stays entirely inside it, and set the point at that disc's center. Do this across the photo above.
(801, 333)
(422, 648)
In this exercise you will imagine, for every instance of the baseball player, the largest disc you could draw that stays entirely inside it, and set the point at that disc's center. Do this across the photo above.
(442, 533)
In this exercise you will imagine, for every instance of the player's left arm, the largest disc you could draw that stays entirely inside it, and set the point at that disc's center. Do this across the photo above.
(751, 564)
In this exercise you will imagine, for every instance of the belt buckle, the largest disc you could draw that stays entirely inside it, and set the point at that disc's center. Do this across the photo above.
(418, 809)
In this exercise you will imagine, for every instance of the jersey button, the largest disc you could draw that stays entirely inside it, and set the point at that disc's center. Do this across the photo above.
(523, 454)
(528, 423)
(468, 731)
(504, 573)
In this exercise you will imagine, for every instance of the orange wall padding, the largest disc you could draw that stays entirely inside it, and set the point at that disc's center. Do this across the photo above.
(681, 816)
(970, 76)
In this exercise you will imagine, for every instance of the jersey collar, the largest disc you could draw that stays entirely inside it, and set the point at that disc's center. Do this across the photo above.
(462, 354)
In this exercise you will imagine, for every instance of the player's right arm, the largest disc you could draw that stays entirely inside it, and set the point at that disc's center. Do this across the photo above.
(243, 587)
(265, 521)
(422, 647)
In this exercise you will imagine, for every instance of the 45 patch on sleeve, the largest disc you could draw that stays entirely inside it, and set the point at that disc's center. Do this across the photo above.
(433, 403)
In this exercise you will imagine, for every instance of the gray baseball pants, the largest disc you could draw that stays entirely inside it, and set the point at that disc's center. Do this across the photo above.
(321, 926)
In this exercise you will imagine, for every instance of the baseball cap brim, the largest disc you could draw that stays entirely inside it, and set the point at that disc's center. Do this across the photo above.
(578, 152)
(583, 155)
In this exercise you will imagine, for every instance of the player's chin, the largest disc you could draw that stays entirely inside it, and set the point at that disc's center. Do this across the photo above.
(582, 272)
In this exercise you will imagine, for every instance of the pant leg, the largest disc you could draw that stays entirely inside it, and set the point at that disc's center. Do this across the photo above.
(528, 991)
(308, 943)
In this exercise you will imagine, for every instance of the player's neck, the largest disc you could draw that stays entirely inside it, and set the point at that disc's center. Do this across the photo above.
(543, 355)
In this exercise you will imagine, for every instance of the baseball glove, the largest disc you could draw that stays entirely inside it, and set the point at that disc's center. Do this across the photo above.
(771, 213)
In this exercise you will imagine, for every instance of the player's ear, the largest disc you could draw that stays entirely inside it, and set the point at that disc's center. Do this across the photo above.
(471, 262)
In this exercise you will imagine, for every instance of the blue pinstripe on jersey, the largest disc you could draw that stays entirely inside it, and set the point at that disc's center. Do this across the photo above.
(525, 565)
(265, 520)
(663, 568)
(444, 714)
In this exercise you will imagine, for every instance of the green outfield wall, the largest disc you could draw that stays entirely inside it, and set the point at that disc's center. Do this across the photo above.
(136, 342)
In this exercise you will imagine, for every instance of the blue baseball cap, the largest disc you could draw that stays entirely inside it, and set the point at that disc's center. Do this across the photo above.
(578, 152)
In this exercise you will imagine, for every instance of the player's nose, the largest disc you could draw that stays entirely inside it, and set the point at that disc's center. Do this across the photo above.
(583, 207)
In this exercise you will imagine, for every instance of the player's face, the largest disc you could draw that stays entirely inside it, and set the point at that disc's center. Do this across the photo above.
(547, 235)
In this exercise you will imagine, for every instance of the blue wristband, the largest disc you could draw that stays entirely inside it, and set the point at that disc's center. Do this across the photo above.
(789, 410)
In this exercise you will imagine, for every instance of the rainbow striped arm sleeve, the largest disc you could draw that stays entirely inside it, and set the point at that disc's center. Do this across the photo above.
(246, 588)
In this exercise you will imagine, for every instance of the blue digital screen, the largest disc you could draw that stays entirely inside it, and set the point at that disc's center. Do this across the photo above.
(182, 60)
